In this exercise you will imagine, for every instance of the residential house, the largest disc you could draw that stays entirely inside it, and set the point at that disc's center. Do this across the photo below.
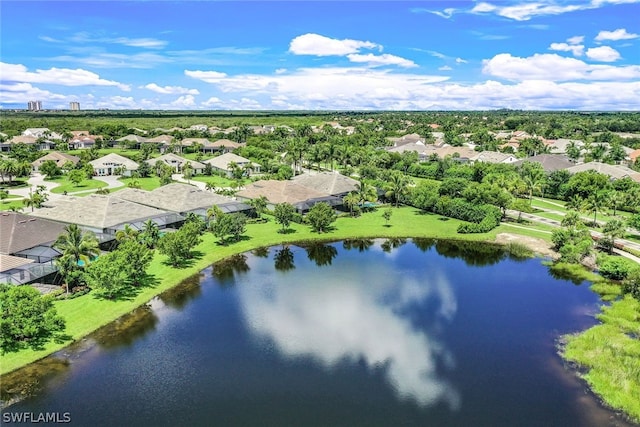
(410, 138)
(559, 146)
(549, 162)
(182, 199)
(18, 139)
(26, 247)
(417, 146)
(224, 161)
(104, 215)
(493, 157)
(163, 142)
(634, 156)
(41, 133)
(223, 145)
(613, 171)
(202, 142)
(301, 197)
(132, 140)
(332, 183)
(113, 164)
(177, 163)
(59, 158)
(82, 142)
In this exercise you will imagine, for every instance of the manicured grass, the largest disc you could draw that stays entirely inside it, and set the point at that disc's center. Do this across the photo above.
(87, 184)
(148, 184)
(610, 352)
(218, 181)
(85, 314)
(553, 205)
(6, 205)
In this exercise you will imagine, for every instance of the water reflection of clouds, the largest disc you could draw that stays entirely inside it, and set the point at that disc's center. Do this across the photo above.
(358, 313)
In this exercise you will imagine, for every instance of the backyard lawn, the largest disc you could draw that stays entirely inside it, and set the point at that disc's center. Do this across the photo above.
(87, 313)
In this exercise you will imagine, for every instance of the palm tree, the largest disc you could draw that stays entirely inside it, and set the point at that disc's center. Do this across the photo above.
(596, 201)
(575, 203)
(75, 246)
(259, 204)
(612, 230)
(350, 200)
(150, 233)
(616, 199)
(127, 233)
(34, 200)
(533, 177)
(187, 171)
(366, 192)
(397, 186)
(210, 186)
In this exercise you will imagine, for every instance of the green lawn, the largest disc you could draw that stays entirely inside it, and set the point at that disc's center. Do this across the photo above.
(87, 184)
(85, 314)
(148, 184)
(6, 205)
(218, 181)
(553, 205)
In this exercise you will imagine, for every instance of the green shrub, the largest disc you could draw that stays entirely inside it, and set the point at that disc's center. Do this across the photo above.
(615, 268)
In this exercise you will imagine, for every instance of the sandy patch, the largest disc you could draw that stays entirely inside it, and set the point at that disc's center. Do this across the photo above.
(537, 245)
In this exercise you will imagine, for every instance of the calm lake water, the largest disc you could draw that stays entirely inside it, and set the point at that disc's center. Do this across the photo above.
(375, 333)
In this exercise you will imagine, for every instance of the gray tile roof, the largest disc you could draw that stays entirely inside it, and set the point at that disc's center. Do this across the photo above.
(614, 171)
(112, 160)
(327, 182)
(179, 198)
(8, 262)
(20, 232)
(222, 162)
(279, 192)
(98, 211)
(549, 162)
(176, 161)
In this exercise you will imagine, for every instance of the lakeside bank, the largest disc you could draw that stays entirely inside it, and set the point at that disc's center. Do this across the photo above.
(86, 314)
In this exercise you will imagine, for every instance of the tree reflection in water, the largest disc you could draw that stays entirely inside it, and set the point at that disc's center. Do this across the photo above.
(360, 244)
(127, 329)
(261, 252)
(392, 243)
(320, 253)
(224, 271)
(283, 259)
(186, 291)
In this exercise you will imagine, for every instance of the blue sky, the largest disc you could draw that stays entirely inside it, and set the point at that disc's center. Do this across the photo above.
(346, 55)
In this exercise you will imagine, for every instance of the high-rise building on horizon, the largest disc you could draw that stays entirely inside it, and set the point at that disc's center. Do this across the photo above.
(74, 106)
(34, 105)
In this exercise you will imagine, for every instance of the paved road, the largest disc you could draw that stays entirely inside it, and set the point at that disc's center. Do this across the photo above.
(555, 223)
(111, 180)
(179, 178)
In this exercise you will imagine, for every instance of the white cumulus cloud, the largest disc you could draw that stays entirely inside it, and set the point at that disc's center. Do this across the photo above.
(315, 44)
(603, 54)
(206, 76)
(575, 40)
(619, 34)
(379, 60)
(553, 67)
(171, 90)
(57, 76)
(575, 49)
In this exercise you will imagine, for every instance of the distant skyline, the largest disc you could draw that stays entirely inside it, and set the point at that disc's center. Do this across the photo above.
(331, 55)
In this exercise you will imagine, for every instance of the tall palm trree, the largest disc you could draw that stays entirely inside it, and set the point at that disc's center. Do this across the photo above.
(75, 246)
